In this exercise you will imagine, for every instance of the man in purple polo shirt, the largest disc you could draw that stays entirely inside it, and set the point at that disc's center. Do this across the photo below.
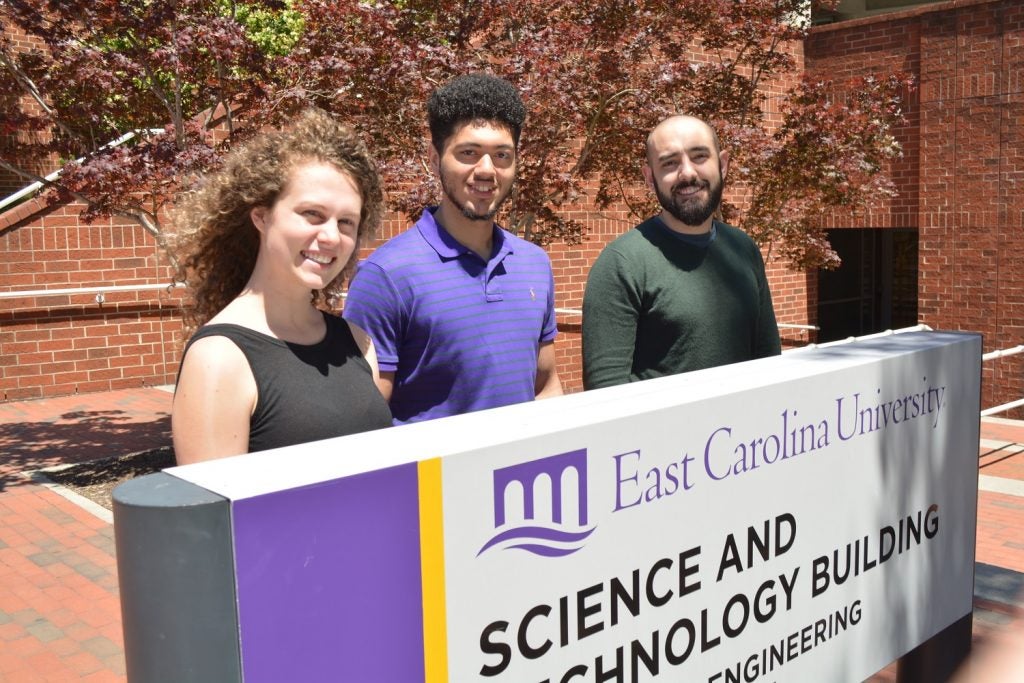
(460, 310)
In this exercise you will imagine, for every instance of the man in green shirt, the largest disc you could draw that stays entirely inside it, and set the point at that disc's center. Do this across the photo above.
(681, 291)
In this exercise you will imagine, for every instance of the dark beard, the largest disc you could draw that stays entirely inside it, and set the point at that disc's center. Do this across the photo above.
(691, 212)
(467, 211)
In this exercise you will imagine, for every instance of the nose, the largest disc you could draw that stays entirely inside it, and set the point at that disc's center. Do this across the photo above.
(484, 167)
(686, 170)
(330, 233)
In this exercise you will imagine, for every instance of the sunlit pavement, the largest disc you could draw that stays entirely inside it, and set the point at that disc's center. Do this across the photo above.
(60, 617)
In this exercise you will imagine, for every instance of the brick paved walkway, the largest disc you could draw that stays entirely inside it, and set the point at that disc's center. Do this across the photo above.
(1001, 494)
(60, 618)
(59, 612)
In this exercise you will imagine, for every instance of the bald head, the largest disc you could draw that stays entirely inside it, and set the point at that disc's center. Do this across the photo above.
(680, 126)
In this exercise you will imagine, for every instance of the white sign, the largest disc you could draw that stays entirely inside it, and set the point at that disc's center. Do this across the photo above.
(810, 529)
(809, 517)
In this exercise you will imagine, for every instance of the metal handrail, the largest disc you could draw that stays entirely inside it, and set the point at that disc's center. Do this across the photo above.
(1002, 407)
(28, 293)
(884, 333)
(1012, 351)
(128, 288)
(782, 326)
(992, 355)
(29, 190)
(100, 292)
(1003, 353)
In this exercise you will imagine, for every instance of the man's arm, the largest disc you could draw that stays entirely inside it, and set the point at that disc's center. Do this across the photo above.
(547, 384)
(611, 308)
(385, 382)
(767, 342)
(374, 305)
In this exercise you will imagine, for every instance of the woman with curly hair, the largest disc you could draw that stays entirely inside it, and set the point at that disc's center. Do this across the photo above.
(268, 241)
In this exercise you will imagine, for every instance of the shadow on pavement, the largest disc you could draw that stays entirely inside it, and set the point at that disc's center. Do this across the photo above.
(75, 437)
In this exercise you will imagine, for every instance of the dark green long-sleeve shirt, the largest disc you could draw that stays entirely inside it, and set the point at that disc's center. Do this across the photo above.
(656, 305)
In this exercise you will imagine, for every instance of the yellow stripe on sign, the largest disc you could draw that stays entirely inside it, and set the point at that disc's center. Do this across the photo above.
(435, 623)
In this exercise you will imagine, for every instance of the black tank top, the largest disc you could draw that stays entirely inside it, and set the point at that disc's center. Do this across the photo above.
(306, 393)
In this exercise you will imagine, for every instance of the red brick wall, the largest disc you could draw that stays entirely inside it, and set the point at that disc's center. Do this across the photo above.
(791, 293)
(66, 344)
(961, 177)
(959, 184)
(10, 182)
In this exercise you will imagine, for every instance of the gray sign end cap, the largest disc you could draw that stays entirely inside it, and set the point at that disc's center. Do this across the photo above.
(162, 490)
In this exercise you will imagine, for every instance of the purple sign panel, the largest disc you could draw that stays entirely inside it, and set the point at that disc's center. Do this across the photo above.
(329, 582)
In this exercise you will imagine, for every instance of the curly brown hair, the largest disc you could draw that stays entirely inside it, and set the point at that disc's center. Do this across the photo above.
(216, 240)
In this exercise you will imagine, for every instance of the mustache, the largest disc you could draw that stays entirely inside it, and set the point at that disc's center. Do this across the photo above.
(699, 184)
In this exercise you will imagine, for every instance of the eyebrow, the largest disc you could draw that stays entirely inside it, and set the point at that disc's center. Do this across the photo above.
(317, 203)
(688, 150)
(477, 145)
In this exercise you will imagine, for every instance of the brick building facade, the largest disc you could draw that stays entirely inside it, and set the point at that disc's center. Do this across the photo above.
(9, 181)
(962, 156)
(67, 343)
(961, 177)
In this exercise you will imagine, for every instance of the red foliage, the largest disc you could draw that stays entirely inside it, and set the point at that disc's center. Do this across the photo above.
(155, 70)
(596, 76)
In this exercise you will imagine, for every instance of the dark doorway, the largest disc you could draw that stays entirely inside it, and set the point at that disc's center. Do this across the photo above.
(874, 289)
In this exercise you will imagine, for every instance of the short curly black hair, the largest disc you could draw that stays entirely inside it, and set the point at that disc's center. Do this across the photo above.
(474, 97)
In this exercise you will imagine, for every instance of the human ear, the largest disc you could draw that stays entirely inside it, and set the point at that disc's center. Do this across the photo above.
(258, 216)
(723, 162)
(648, 175)
(434, 159)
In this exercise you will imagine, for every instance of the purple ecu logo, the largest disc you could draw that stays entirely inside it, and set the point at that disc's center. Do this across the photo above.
(550, 538)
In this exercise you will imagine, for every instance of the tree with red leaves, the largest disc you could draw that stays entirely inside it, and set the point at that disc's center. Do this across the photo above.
(125, 95)
(595, 76)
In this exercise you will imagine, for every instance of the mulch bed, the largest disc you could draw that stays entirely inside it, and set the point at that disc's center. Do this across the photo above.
(97, 479)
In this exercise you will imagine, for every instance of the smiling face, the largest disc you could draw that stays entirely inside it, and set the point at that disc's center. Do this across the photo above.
(309, 234)
(686, 170)
(477, 170)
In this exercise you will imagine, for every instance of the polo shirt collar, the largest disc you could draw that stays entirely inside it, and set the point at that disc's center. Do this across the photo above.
(448, 247)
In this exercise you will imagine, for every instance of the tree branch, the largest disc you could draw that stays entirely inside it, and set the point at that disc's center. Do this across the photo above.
(588, 136)
(146, 220)
(29, 86)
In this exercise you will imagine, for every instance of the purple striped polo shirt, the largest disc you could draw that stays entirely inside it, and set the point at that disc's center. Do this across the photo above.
(460, 334)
